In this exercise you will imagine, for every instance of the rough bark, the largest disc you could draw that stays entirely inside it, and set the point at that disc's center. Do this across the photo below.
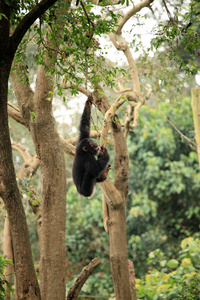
(53, 177)
(28, 169)
(7, 251)
(117, 226)
(116, 221)
(132, 280)
(26, 281)
(49, 150)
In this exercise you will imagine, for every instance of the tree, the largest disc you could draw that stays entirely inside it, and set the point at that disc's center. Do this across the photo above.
(71, 50)
(26, 281)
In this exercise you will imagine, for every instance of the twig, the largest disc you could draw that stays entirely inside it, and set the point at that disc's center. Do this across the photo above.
(91, 33)
(181, 134)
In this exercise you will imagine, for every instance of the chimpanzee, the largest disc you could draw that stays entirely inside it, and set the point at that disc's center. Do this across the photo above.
(87, 170)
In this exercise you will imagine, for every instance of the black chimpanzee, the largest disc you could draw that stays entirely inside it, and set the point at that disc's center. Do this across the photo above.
(87, 170)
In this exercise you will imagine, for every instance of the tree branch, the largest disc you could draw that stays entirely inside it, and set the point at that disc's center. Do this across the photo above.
(21, 149)
(131, 12)
(112, 195)
(109, 117)
(67, 147)
(27, 21)
(82, 89)
(81, 279)
(15, 114)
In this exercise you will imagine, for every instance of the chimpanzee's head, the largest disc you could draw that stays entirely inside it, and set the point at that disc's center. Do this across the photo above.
(88, 145)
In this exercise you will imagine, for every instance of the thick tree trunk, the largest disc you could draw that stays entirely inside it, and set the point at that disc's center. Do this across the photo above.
(118, 253)
(8, 252)
(29, 166)
(49, 150)
(27, 285)
(26, 281)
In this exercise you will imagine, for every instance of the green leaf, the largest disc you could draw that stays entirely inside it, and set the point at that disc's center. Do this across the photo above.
(172, 263)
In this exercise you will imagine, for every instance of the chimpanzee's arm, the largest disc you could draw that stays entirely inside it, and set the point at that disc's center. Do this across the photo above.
(104, 174)
(95, 167)
(84, 127)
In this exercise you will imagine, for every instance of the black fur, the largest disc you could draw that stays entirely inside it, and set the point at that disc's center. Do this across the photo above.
(87, 169)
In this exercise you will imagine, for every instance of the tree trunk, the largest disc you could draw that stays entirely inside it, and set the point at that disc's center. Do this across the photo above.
(8, 252)
(29, 166)
(49, 150)
(26, 282)
(117, 215)
(117, 226)
(118, 253)
(53, 177)
(196, 116)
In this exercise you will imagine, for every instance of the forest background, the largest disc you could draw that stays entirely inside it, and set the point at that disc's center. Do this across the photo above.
(148, 83)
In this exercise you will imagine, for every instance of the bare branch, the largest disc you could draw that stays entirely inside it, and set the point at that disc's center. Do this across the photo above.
(81, 279)
(22, 150)
(109, 118)
(105, 213)
(14, 113)
(121, 44)
(31, 163)
(128, 118)
(190, 142)
(131, 12)
(112, 195)
(68, 147)
(136, 113)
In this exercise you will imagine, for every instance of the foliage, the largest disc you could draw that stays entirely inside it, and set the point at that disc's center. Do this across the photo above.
(164, 185)
(85, 240)
(161, 74)
(180, 36)
(3, 264)
(172, 279)
(190, 288)
(75, 34)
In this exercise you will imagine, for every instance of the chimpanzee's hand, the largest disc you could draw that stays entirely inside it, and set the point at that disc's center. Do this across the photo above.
(103, 151)
(88, 102)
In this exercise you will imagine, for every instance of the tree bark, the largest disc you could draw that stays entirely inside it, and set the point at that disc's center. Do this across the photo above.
(26, 281)
(8, 252)
(53, 177)
(116, 222)
(196, 116)
(117, 226)
(49, 150)
(29, 167)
